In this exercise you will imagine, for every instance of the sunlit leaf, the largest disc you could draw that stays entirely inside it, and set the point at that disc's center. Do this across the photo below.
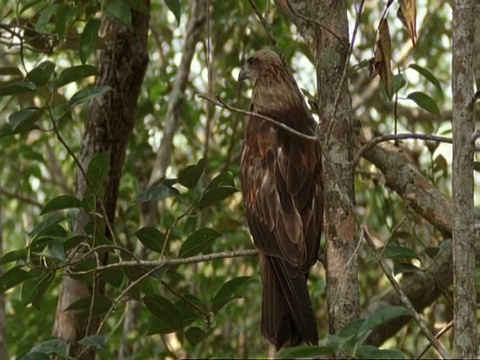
(427, 75)
(17, 88)
(87, 94)
(45, 16)
(74, 73)
(395, 252)
(215, 195)
(42, 73)
(189, 176)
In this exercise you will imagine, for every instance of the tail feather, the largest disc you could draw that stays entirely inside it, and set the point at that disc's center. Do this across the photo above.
(287, 315)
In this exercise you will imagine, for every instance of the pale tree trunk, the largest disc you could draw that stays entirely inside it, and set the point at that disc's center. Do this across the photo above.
(335, 112)
(110, 123)
(464, 298)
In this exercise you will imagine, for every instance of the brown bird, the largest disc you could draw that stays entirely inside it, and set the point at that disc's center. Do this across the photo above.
(283, 196)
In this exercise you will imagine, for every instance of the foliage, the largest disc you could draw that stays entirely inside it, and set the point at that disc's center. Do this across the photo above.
(47, 81)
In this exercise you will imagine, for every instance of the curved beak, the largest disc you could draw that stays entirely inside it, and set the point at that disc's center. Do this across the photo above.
(243, 74)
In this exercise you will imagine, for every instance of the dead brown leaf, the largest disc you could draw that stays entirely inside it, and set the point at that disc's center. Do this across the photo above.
(383, 55)
(407, 13)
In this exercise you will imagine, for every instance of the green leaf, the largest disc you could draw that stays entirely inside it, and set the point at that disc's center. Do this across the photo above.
(46, 224)
(17, 88)
(223, 179)
(35, 355)
(216, 195)
(88, 39)
(12, 71)
(100, 305)
(61, 202)
(98, 168)
(396, 252)
(12, 278)
(174, 7)
(476, 166)
(432, 251)
(73, 74)
(425, 102)
(14, 255)
(382, 317)
(53, 347)
(151, 238)
(157, 192)
(96, 341)
(56, 250)
(112, 276)
(198, 242)
(195, 335)
(87, 94)
(427, 75)
(228, 292)
(305, 351)
(168, 318)
(25, 119)
(372, 352)
(190, 176)
(42, 73)
(34, 289)
(45, 16)
(119, 11)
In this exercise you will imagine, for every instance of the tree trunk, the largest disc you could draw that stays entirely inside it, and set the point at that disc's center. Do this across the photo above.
(110, 123)
(464, 298)
(335, 112)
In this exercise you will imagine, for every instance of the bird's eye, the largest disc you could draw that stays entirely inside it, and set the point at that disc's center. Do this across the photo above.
(250, 61)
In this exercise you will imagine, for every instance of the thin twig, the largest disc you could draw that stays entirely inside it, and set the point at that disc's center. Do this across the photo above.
(437, 336)
(220, 103)
(408, 136)
(265, 24)
(403, 297)
(156, 264)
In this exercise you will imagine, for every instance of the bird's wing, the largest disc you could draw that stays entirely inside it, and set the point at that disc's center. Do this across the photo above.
(282, 188)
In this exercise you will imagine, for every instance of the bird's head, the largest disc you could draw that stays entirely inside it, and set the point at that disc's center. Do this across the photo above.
(261, 63)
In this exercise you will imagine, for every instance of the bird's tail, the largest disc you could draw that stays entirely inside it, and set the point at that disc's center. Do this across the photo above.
(287, 315)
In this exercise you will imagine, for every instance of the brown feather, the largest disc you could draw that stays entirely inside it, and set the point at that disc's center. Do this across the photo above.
(283, 196)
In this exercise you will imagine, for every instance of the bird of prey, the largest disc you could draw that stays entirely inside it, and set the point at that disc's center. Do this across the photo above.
(283, 196)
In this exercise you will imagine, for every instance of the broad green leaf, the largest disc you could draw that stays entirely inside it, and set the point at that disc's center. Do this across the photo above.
(112, 276)
(100, 306)
(20, 254)
(24, 120)
(198, 242)
(395, 252)
(189, 314)
(151, 238)
(17, 88)
(35, 355)
(195, 335)
(46, 224)
(427, 75)
(305, 351)
(61, 202)
(189, 176)
(221, 180)
(87, 94)
(165, 312)
(12, 278)
(56, 250)
(215, 195)
(476, 166)
(372, 352)
(73, 74)
(432, 251)
(425, 102)
(73, 241)
(45, 16)
(34, 289)
(96, 341)
(174, 7)
(157, 192)
(98, 168)
(88, 39)
(13, 71)
(53, 347)
(42, 73)
(119, 11)
(228, 292)
(382, 317)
